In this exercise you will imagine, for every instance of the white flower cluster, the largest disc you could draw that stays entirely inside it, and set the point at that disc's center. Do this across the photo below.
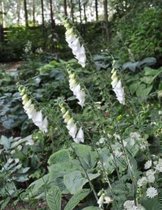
(36, 116)
(74, 43)
(130, 205)
(76, 89)
(103, 199)
(151, 192)
(117, 87)
(74, 132)
(158, 166)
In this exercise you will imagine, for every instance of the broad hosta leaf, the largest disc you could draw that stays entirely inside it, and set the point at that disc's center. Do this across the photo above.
(91, 208)
(75, 180)
(38, 186)
(87, 156)
(152, 204)
(75, 200)
(54, 198)
(60, 156)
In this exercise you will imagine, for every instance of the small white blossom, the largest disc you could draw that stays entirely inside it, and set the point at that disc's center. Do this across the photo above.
(103, 199)
(151, 192)
(148, 164)
(117, 88)
(150, 176)
(130, 205)
(142, 182)
(158, 166)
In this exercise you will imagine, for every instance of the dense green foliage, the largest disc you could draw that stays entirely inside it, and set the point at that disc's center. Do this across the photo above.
(116, 154)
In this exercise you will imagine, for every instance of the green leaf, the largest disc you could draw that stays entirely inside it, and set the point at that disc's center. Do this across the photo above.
(75, 200)
(87, 156)
(4, 203)
(75, 180)
(38, 186)
(91, 208)
(60, 156)
(54, 198)
(152, 204)
(143, 91)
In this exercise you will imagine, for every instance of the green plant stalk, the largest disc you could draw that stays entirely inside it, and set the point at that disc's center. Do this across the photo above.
(90, 183)
(96, 112)
(132, 176)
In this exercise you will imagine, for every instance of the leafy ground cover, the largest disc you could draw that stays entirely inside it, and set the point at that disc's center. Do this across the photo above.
(83, 133)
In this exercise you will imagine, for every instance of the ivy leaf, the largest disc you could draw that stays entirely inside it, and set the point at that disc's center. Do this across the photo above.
(75, 200)
(54, 198)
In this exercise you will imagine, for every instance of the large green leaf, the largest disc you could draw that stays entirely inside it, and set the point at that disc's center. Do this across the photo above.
(57, 172)
(152, 204)
(75, 180)
(76, 198)
(54, 198)
(92, 208)
(60, 156)
(87, 156)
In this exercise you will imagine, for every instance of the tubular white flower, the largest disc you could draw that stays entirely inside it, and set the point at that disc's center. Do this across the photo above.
(78, 50)
(151, 192)
(117, 87)
(74, 132)
(76, 89)
(36, 116)
(80, 136)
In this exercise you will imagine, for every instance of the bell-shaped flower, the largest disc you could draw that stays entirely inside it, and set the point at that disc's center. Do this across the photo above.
(80, 136)
(74, 132)
(117, 88)
(73, 41)
(36, 116)
(76, 89)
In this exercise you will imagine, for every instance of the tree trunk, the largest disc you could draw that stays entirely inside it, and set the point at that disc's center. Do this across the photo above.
(96, 9)
(106, 19)
(80, 11)
(26, 13)
(18, 11)
(42, 12)
(33, 12)
(65, 8)
(72, 10)
(84, 10)
(51, 15)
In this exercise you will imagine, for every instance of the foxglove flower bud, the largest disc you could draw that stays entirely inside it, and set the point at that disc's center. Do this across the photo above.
(117, 87)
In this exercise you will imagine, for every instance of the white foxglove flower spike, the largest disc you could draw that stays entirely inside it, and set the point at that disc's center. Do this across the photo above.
(36, 116)
(117, 87)
(76, 89)
(74, 132)
(78, 50)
